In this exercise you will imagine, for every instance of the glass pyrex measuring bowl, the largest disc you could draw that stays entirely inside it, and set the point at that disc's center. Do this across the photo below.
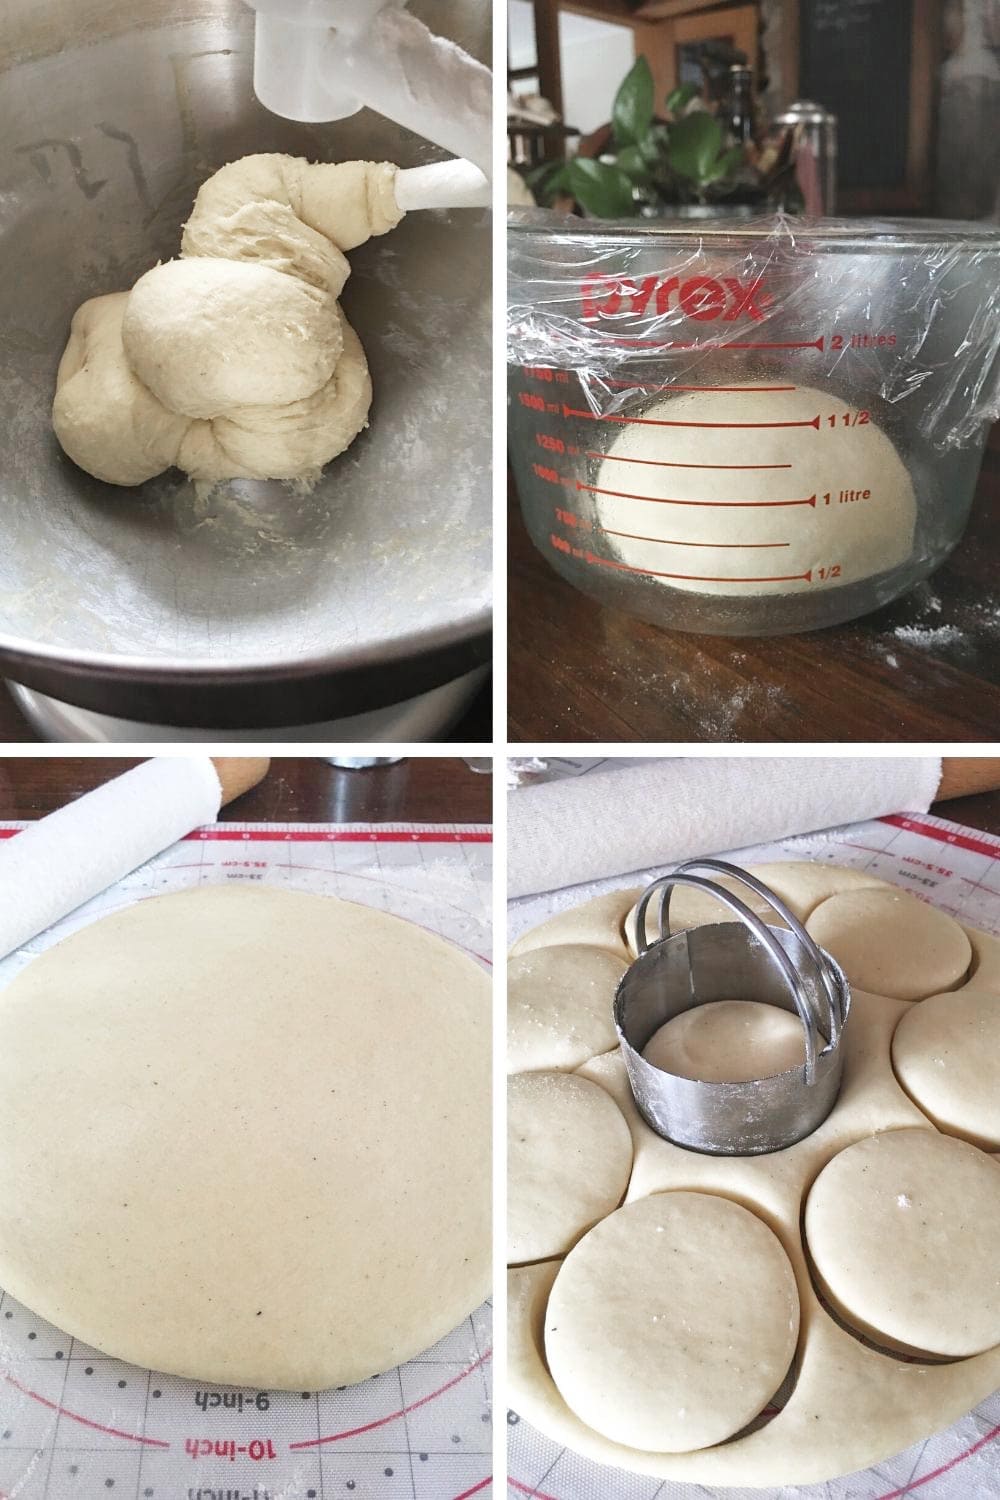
(756, 428)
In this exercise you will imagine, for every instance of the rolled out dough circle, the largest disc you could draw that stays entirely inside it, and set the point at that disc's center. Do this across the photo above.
(559, 1007)
(673, 1322)
(728, 1041)
(246, 1137)
(569, 1155)
(902, 1228)
(678, 501)
(889, 943)
(946, 1054)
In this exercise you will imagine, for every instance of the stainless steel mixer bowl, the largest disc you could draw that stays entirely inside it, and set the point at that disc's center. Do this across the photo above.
(257, 606)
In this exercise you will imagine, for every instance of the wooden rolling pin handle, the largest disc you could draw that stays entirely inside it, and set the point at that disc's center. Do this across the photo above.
(967, 775)
(238, 773)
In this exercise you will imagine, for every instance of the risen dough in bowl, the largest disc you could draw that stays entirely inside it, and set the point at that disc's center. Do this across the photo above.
(234, 361)
(741, 492)
(246, 1137)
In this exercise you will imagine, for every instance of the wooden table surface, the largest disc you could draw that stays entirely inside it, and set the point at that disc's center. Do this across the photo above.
(924, 668)
(418, 790)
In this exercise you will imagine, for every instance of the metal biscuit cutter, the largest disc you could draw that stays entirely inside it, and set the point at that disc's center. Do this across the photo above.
(742, 960)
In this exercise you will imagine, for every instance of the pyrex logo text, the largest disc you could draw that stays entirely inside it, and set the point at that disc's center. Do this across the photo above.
(701, 297)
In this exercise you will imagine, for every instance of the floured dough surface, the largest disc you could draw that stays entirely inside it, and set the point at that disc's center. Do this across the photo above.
(246, 1137)
(668, 507)
(946, 1054)
(569, 1155)
(234, 361)
(890, 943)
(728, 1041)
(673, 1322)
(903, 1229)
(559, 1004)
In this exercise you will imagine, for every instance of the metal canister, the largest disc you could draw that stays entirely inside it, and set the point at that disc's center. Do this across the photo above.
(814, 144)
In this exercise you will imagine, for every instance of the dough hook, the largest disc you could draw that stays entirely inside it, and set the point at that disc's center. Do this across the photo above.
(322, 60)
(743, 960)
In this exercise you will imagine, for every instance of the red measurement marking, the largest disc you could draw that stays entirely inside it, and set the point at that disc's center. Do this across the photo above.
(729, 504)
(533, 1491)
(738, 546)
(915, 1484)
(670, 344)
(330, 836)
(132, 1437)
(570, 411)
(642, 385)
(475, 1488)
(661, 463)
(336, 1437)
(605, 562)
(942, 835)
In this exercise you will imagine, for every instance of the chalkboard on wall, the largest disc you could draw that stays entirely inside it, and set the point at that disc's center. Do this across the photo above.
(873, 64)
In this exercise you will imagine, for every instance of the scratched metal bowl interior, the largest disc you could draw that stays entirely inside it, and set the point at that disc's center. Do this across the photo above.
(111, 117)
(852, 332)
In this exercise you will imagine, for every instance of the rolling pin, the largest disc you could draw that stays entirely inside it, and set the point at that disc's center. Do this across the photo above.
(55, 865)
(623, 817)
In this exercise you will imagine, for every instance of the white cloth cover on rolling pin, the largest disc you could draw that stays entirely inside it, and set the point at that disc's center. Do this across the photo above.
(631, 816)
(55, 865)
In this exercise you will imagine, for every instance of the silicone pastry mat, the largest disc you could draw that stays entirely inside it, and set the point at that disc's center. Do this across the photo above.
(957, 869)
(75, 1425)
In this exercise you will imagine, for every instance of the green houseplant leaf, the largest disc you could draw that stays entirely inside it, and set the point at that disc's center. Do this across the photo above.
(604, 191)
(680, 97)
(632, 113)
(695, 143)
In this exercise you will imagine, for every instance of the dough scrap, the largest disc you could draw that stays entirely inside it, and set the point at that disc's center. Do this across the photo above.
(246, 1137)
(700, 545)
(946, 1055)
(902, 1228)
(569, 1155)
(673, 1322)
(890, 943)
(235, 361)
(728, 1041)
(559, 1007)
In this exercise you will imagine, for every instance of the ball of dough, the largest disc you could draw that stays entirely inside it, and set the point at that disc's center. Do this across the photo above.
(673, 1322)
(728, 1041)
(207, 335)
(903, 1230)
(889, 943)
(246, 1137)
(569, 1155)
(559, 1007)
(695, 525)
(946, 1054)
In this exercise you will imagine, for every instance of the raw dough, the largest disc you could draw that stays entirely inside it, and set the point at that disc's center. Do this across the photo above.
(673, 1322)
(596, 924)
(903, 1230)
(728, 1041)
(569, 1154)
(559, 1007)
(946, 1054)
(890, 943)
(234, 361)
(697, 546)
(246, 1137)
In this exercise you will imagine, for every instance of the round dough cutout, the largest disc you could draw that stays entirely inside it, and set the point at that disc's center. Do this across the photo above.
(903, 1229)
(246, 1137)
(889, 943)
(728, 1041)
(673, 1322)
(946, 1054)
(559, 1007)
(569, 1155)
